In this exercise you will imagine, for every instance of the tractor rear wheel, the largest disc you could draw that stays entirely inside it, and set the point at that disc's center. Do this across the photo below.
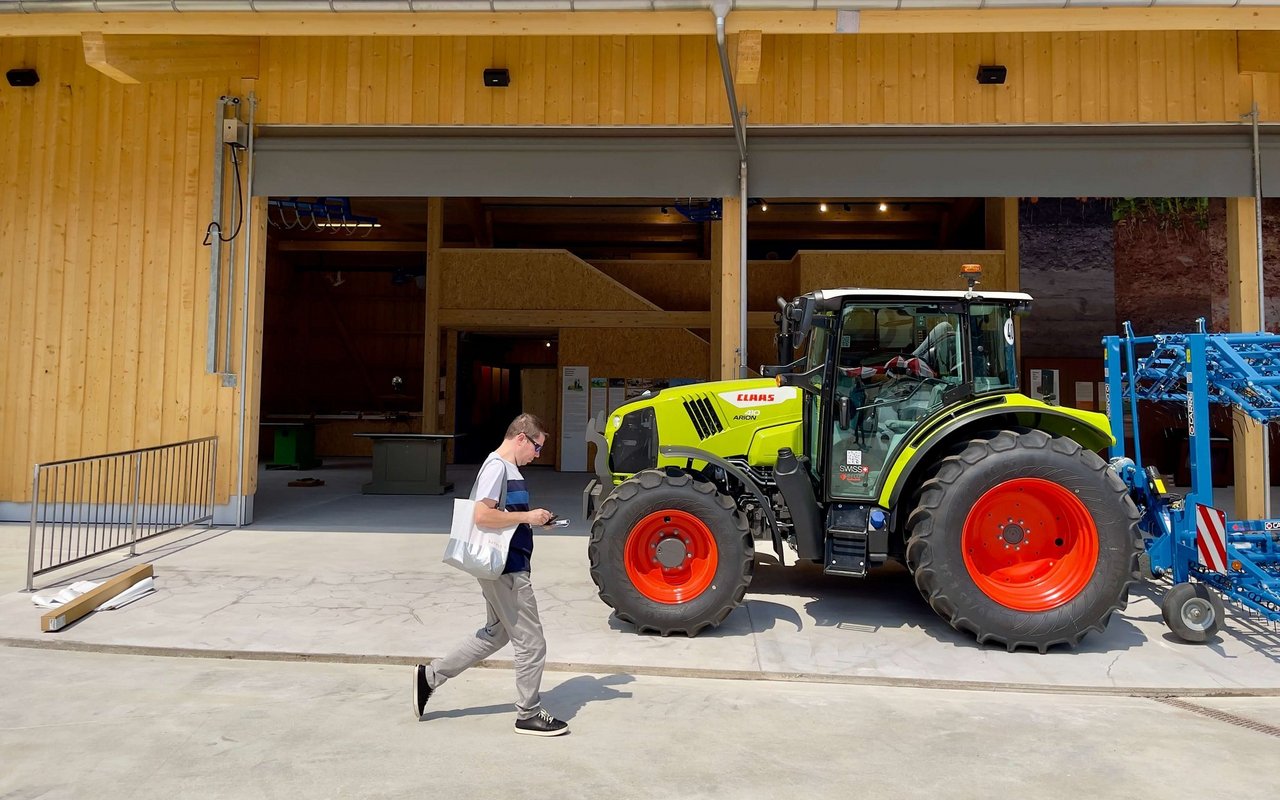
(669, 553)
(1024, 539)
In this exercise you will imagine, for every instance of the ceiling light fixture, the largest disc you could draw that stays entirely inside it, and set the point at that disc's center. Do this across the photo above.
(764, 206)
(822, 207)
(348, 224)
(884, 206)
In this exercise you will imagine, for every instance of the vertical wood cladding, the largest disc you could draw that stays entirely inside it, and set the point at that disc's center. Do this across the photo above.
(106, 187)
(101, 266)
(1150, 76)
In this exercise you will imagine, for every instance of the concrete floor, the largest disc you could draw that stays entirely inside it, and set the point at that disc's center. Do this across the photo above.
(339, 505)
(106, 726)
(273, 662)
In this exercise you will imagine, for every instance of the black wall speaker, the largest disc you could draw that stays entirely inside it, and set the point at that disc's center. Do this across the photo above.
(497, 77)
(992, 74)
(22, 77)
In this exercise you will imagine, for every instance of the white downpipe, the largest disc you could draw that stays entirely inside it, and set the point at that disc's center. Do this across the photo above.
(721, 9)
(244, 314)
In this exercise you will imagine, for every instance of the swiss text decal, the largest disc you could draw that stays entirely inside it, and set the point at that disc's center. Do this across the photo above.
(753, 398)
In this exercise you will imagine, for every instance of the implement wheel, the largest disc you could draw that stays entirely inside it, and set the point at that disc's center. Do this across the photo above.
(670, 554)
(1025, 540)
(1192, 611)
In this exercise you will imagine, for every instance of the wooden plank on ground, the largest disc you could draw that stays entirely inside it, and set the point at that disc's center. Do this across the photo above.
(55, 619)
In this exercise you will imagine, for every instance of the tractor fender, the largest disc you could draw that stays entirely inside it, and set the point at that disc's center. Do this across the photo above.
(1039, 417)
(675, 451)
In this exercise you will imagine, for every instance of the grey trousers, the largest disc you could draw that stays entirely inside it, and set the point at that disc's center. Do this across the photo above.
(513, 617)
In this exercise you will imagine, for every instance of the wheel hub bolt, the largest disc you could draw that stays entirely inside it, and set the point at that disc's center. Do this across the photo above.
(1012, 534)
(671, 552)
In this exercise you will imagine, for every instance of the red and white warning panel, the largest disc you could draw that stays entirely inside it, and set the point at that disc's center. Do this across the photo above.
(1211, 538)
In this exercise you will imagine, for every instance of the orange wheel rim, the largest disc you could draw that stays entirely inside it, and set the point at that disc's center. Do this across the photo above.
(1030, 544)
(671, 556)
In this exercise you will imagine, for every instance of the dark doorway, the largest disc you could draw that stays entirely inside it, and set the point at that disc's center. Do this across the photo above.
(492, 372)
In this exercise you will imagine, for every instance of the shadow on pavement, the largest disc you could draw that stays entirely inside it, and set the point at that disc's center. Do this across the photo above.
(564, 701)
(1241, 625)
(886, 598)
(567, 699)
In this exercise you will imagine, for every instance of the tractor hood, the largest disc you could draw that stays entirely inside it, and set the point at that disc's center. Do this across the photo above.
(747, 418)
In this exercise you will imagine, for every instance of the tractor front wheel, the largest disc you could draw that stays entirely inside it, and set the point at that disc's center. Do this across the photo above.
(669, 553)
(1025, 540)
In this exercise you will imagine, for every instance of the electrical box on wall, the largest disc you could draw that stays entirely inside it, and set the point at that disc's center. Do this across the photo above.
(235, 132)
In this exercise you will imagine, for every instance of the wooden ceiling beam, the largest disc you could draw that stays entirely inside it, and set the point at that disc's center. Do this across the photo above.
(467, 319)
(335, 245)
(1054, 20)
(138, 59)
(587, 214)
(402, 23)
(637, 23)
(746, 58)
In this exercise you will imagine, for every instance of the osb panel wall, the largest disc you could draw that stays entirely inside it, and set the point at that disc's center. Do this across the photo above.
(686, 285)
(1150, 76)
(624, 353)
(103, 276)
(530, 279)
(938, 269)
(769, 280)
(670, 285)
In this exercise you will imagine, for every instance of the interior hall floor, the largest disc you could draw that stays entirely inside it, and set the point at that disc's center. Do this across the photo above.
(338, 505)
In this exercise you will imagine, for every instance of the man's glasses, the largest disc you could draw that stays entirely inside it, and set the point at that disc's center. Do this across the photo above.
(537, 448)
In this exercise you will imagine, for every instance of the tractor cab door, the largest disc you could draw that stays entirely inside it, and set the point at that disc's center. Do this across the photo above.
(893, 365)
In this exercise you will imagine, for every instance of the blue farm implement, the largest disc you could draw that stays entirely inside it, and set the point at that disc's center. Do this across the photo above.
(1206, 555)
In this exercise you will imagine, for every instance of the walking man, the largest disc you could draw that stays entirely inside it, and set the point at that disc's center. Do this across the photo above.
(502, 501)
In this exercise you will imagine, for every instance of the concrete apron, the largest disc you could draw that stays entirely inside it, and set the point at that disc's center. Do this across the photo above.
(387, 598)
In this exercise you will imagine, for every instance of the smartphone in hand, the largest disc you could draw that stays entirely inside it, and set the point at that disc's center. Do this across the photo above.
(556, 522)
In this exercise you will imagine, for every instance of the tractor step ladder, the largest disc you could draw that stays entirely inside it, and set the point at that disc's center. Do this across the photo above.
(1187, 538)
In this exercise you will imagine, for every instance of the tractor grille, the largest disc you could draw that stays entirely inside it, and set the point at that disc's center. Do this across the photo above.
(702, 412)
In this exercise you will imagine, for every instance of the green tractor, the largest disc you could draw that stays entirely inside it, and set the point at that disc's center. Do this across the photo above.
(900, 434)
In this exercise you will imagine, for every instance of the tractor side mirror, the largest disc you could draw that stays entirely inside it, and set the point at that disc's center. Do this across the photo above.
(842, 406)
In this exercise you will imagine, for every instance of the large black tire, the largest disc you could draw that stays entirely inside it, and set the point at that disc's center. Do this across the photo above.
(634, 512)
(948, 532)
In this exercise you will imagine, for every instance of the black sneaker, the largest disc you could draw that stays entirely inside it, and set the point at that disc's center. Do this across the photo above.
(542, 725)
(421, 690)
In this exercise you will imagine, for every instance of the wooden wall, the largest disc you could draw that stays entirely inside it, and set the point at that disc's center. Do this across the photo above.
(527, 280)
(103, 278)
(335, 339)
(870, 269)
(106, 195)
(1148, 76)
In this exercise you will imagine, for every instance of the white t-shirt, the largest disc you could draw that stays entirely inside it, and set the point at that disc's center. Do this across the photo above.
(489, 486)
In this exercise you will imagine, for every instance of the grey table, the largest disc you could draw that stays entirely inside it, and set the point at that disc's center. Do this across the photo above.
(408, 463)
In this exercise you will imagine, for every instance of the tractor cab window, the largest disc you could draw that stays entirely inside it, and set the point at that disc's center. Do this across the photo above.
(991, 336)
(894, 363)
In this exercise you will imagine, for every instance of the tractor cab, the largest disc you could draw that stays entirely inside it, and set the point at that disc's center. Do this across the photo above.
(882, 365)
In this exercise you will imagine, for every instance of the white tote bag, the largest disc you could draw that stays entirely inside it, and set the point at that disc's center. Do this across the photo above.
(481, 552)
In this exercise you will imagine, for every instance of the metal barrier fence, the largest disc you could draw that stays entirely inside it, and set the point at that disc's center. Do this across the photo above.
(83, 507)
